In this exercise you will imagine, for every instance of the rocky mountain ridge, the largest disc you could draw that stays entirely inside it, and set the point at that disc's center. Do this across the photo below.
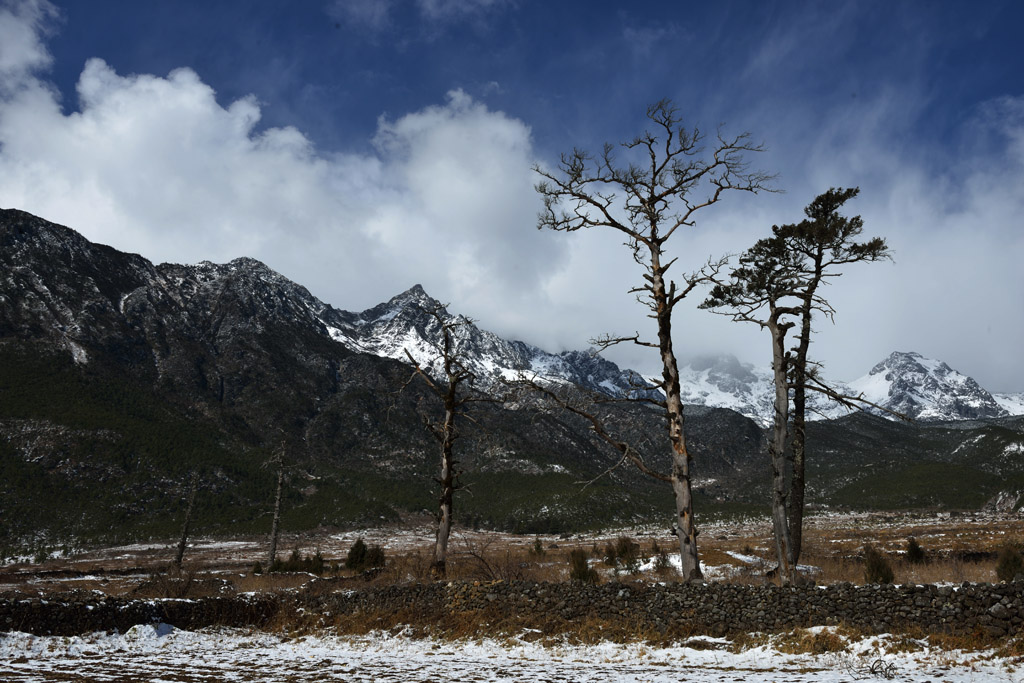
(120, 378)
(405, 324)
(905, 382)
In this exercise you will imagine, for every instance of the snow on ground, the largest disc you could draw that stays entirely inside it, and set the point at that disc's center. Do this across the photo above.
(162, 653)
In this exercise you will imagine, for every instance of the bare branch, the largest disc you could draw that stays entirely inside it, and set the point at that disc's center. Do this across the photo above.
(598, 428)
(854, 402)
(604, 342)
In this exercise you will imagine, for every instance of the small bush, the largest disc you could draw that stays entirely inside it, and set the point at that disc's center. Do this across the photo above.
(915, 553)
(1009, 563)
(579, 567)
(361, 557)
(623, 554)
(375, 557)
(314, 564)
(608, 556)
(876, 567)
(538, 548)
(356, 558)
(663, 565)
(257, 568)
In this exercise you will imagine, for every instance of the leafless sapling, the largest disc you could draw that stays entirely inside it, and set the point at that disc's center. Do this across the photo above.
(185, 526)
(277, 462)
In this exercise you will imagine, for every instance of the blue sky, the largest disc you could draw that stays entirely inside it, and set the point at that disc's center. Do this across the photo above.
(360, 147)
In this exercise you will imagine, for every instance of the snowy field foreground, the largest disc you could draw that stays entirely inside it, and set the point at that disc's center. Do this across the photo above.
(163, 653)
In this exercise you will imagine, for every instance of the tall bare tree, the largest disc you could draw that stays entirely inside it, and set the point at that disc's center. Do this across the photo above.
(678, 173)
(455, 391)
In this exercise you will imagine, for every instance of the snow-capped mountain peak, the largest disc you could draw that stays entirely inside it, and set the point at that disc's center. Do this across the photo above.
(404, 324)
(907, 382)
(925, 389)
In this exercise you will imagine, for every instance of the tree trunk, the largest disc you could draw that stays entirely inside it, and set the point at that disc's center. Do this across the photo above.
(777, 453)
(798, 483)
(685, 528)
(447, 481)
(276, 524)
(188, 521)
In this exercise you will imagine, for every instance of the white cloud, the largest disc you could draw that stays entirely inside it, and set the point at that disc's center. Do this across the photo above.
(22, 51)
(156, 165)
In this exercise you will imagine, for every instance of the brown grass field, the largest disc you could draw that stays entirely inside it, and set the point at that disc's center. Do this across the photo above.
(958, 548)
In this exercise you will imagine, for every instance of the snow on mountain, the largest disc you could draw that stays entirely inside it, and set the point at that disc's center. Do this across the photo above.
(926, 389)
(404, 323)
(1011, 403)
(905, 382)
(724, 382)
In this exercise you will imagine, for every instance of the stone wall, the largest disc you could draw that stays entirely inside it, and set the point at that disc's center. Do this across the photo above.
(729, 608)
(718, 609)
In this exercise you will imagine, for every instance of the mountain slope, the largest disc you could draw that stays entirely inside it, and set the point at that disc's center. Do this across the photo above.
(926, 389)
(118, 378)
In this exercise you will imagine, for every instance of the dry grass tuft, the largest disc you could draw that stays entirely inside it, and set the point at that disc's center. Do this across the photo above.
(508, 625)
(803, 641)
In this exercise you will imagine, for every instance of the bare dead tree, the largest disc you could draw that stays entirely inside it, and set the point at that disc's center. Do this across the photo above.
(276, 461)
(678, 175)
(454, 388)
(182, 544)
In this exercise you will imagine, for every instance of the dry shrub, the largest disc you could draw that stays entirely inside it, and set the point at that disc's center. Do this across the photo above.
(173, 582)
(623, 554)
(915, 553)
(580, 569)
(402, 569)
(876, 567)
(1009, 563)
(1012, 648)
(747, 641)
(484, 561)
(361, 557)
(969, 641)
(803, 641)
